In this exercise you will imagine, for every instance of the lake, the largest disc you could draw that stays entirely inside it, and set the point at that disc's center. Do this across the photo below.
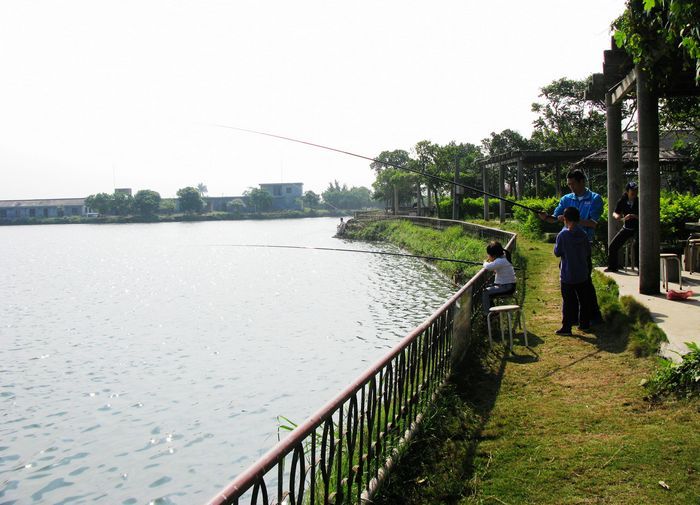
(148, 363)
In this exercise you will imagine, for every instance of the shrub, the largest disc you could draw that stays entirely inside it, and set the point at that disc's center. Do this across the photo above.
(678, 379)
(676, 210)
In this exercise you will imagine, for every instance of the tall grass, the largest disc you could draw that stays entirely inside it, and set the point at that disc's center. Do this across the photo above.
(626, 319)
(449, 243)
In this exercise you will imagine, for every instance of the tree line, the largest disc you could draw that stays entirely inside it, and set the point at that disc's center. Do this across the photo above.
(651, 31)
(191, 200)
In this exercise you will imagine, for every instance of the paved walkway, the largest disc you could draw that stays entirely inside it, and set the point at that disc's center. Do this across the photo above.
(680, 320)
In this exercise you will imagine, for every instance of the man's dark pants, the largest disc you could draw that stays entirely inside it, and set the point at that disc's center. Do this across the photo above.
(617, 242)
(590, 299)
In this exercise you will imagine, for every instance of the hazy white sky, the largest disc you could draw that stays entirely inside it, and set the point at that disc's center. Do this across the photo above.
(97, 93)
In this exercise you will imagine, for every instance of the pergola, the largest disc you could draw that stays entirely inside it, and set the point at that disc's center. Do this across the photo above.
(621, 80)
(669, 160)
(528, 163)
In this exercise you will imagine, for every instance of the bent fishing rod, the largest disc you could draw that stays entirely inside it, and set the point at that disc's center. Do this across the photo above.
(387, 163)
(337, 249)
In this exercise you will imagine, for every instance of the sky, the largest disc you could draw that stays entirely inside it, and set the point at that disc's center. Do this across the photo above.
(101, 94)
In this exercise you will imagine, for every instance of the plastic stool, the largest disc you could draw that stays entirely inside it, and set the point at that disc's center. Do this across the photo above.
(692, 244)
(508, 310)
(665, 258)
(629, 255)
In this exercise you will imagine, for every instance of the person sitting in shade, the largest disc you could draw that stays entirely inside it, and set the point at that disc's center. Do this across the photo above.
(504, 284)
(627, 212)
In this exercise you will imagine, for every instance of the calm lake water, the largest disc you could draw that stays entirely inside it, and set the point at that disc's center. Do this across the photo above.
(149, 362)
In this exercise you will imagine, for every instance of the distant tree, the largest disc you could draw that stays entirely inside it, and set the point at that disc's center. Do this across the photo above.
(146, 202)
(122, 203)
(565, 120)
(260, 199)
(202, 188)
(311, 199)
(235, 206)
(167, 206)
(190, 200)
(393, 185)
(340, 197)
(506, 141)
(101, 202)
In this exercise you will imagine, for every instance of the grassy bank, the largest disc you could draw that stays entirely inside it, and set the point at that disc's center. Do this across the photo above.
(450, 243)
(567, 422)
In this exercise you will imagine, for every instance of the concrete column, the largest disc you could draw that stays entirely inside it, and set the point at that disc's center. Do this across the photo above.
(537, 183)
(521, 182)
(502, 192)
(396, 200)
(418, 200)
(557, 178)
(456, 192)
(485, 184)
(613, 127)
(649, 185)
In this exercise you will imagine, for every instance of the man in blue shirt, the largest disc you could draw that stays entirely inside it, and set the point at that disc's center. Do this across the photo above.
(590, 207)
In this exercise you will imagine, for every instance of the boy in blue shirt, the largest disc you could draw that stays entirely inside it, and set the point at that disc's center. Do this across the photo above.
(574, 249)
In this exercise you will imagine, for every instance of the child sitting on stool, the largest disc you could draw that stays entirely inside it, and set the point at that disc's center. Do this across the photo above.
(504, 283)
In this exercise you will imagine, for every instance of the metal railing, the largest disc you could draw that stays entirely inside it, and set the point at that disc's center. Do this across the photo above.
(342, 453)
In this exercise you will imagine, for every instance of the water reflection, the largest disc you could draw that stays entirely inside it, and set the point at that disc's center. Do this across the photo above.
(140, 362)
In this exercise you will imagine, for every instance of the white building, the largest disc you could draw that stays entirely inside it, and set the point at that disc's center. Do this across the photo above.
(54, 207)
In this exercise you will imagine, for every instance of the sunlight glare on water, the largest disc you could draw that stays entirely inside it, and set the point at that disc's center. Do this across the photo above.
(149, 362)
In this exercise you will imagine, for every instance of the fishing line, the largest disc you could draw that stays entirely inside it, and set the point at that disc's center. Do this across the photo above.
(434, 258)
(387, 163)
(337, 249)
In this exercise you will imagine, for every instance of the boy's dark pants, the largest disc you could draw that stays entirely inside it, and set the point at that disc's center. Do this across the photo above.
(575, 306)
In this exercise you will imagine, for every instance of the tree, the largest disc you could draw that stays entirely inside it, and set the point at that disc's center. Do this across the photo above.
(393, 185)
(167, 206)
(657, 32)
(190, 200)
(101, 202)
(146, 202)
(121, 203)
(340, 197)
(259, 199)
(311, 199)
(506, 141)
(567, 121)
(235, 206)
(202, 188)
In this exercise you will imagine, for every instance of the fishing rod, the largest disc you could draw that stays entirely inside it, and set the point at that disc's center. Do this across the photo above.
(434, 258)
(387, 163)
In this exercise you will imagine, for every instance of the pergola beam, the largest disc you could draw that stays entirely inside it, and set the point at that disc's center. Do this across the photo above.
(619, 92)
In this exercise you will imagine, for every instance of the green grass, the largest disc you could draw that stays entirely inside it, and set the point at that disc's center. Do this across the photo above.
(450, 243)
(568, 422)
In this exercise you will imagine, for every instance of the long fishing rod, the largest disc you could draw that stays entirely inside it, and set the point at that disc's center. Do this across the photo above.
(434, 258)
(387, 163)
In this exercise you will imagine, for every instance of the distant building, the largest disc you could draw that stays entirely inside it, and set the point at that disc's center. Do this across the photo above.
(285, 195)
(54, 207)
(126, 191)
